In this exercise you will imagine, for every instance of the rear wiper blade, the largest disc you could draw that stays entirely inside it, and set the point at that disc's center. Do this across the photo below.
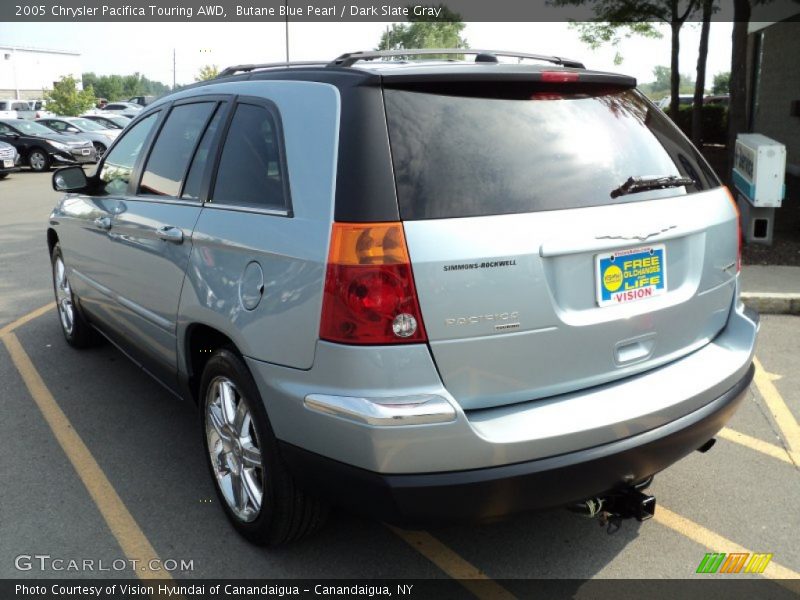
(642, 184)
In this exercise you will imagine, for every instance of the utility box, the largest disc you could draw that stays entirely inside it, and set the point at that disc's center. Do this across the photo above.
(758, 223)
(759, 168)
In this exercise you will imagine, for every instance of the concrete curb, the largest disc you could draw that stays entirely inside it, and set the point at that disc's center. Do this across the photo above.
(772, 303)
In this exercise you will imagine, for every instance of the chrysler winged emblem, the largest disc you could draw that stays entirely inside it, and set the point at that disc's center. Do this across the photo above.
(634, 236)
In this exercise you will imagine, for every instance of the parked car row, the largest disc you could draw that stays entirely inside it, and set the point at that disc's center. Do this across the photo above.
(35, 142)
(688, 100)
(41, 147)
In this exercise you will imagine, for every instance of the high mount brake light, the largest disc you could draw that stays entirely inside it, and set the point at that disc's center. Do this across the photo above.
(369, 295)
(559, 76)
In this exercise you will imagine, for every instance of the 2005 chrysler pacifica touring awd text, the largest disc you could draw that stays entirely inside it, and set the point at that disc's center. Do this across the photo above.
(426, 290)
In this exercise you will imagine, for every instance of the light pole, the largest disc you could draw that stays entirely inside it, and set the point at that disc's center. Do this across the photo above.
(286, 12)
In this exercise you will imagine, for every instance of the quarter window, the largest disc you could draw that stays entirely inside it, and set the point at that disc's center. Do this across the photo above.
(119, 162)
(251, 172)
(173, 149)
(191, 190)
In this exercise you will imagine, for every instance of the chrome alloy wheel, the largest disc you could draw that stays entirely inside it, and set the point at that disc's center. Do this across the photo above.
(37, 160)
(66, 310)
(234, 449)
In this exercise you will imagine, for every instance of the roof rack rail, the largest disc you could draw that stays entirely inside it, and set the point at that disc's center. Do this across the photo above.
(487, 56)
(276, 65)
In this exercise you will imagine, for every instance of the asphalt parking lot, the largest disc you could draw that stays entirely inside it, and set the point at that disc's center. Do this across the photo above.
(100, 463)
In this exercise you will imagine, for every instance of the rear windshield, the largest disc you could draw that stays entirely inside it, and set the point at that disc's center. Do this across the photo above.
(464, 156)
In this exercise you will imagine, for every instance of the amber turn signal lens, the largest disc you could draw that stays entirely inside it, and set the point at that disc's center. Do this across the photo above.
(368, 244)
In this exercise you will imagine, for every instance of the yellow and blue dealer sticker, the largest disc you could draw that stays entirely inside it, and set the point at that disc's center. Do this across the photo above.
(629, 275)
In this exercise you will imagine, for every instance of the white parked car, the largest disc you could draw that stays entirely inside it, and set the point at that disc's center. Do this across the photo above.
(100, 136)
(15, 109)
(126, 109)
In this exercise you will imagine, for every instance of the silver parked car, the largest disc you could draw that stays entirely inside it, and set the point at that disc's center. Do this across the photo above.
(426, 290)
(85, 129)
(9, 160)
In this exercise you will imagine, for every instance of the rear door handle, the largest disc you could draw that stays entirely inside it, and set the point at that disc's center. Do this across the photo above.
(103, 223)
(170, 233)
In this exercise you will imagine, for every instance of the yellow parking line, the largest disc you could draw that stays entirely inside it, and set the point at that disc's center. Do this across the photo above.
(24, 319)
(123, 526)
(780, 411)
(469, 576)
(755, 444)
(713, 541)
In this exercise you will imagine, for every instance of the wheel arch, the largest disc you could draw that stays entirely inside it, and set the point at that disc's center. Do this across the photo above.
(200, 341)
(52, 240)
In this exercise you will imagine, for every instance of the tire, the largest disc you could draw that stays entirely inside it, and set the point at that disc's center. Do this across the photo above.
(3, 175)
(243, 456)
(77, 332)
(100, 149)
(38, 160)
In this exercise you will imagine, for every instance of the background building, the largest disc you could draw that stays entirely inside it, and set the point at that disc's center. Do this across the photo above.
(774, 84)
(26, 72)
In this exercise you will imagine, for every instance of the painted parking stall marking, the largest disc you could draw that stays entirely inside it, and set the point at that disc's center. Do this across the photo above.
(123, 526)
(726, 557)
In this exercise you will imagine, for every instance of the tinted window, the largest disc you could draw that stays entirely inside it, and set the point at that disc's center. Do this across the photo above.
(195, 177)
(57, 125)
(86, 124)
(173, 149)
(30, 127)
(118, 165)
(250, 170)
(458, 156)
(5, 128)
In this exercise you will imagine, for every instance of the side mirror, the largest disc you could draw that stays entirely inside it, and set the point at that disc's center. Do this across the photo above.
(70, 179)
(73, 130)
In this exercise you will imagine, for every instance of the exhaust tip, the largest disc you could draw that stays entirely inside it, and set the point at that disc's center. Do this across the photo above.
(707, 446)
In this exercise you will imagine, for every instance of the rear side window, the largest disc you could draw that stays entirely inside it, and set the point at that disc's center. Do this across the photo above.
(118, 164)
(251, 170)
(459, 156)
(174, 147)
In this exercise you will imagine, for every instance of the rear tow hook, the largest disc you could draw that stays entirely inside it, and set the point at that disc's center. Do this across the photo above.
(611, 510)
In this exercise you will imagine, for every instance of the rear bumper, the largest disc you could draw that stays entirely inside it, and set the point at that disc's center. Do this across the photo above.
(487, 438)
(420, 499)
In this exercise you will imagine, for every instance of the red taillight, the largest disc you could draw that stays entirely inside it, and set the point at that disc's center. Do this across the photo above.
(738, 230)
(369, 293)
(559, 76)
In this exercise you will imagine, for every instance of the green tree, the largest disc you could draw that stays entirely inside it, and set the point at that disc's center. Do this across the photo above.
(660, 86)
(596, 35)
(66, 99)
(721, 83)
(443, 31)
(207, 72)
(625, 14)
(122, 87)
(700, 82)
